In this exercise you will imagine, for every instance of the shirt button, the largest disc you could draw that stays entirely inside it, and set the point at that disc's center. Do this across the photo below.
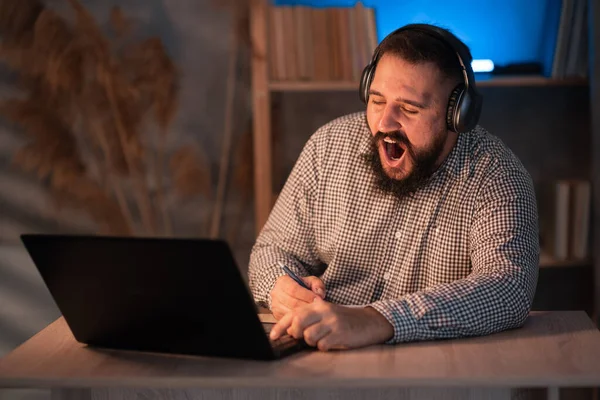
(398, 234)
(386, 276)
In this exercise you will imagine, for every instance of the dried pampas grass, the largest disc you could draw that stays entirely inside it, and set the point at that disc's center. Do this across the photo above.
(17, 17)
(88, 102)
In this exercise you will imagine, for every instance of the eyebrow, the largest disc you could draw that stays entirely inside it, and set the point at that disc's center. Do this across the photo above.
(402, 100)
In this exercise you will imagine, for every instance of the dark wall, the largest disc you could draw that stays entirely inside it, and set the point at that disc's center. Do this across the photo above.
(548, 127)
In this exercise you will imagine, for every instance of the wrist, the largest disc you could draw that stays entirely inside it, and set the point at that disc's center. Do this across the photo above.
(383, 331)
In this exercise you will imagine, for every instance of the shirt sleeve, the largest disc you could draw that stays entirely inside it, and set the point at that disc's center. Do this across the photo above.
(497, 295)
(288, 235)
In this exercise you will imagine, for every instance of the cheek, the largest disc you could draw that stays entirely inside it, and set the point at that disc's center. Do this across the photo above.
(422, 133)
(372, 119)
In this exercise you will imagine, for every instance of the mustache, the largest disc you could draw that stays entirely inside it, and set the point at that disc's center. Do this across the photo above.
(395, 135)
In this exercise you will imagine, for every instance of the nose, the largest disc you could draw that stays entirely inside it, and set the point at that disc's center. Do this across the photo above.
(389, 121)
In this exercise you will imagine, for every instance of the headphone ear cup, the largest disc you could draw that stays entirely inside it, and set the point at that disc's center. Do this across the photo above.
(365, 82)
(468, 110)
(454, 107)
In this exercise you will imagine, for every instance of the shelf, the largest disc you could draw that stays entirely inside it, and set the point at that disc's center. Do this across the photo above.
(547, 261)
(531, 80)
(313, 86)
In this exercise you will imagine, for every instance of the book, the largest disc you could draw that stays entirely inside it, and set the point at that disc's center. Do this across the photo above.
(580, 219)
(564, 214)
(320, 43)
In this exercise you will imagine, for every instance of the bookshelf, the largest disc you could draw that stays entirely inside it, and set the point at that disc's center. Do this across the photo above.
(265, 86)
(299, 86)
(547, 261)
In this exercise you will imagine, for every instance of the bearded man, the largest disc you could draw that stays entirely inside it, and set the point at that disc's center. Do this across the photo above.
(405, 222)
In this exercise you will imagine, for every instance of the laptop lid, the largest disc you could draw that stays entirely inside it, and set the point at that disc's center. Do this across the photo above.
(169, 295)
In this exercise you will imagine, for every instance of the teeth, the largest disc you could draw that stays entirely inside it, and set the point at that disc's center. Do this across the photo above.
(389, 140)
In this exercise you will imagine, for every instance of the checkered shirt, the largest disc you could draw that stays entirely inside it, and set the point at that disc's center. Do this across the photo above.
(458, 258)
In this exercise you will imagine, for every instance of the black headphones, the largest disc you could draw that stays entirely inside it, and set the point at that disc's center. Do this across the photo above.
(464, 105)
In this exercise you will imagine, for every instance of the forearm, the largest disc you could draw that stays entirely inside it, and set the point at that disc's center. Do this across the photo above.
(476, 305)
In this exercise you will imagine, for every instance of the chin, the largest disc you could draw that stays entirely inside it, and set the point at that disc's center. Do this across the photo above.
(398, 174)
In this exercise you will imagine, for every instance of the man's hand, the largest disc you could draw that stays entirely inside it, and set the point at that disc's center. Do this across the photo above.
(288, 295)
(329, 326)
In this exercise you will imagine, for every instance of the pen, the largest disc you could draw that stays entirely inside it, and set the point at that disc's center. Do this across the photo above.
(293, 276)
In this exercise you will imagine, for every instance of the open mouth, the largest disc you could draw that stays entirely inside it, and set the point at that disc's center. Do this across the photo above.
(393, 150)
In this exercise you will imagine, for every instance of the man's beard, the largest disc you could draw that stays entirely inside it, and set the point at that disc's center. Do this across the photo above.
(423, 165)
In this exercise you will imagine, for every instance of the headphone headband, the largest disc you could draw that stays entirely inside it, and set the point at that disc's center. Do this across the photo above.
(448, 40)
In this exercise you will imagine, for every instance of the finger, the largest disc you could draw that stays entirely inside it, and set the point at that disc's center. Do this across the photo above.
(281, 326)
(326, 342)
(331, 341)
(302, 320)
(279, 310)
(316, 332)
(316, 285)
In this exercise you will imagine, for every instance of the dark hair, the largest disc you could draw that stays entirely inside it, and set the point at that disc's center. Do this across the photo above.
(416, 46)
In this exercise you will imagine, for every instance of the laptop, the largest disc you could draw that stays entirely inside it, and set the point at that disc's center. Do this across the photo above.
(165, 295)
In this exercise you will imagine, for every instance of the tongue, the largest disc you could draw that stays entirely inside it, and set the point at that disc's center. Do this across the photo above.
(393, 150)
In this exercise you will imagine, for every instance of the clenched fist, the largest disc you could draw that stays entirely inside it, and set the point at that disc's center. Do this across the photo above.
(288, 295)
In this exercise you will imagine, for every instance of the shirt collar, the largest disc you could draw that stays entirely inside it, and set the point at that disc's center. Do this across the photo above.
(457, 162)
(365, 144)
(455, 159)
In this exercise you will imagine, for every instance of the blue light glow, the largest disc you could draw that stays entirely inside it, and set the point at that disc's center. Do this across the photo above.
(482, 65)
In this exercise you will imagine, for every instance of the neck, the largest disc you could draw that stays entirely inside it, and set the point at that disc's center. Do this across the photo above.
(449, 144)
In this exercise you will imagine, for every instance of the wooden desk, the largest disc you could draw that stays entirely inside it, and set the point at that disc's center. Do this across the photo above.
(554, 349)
